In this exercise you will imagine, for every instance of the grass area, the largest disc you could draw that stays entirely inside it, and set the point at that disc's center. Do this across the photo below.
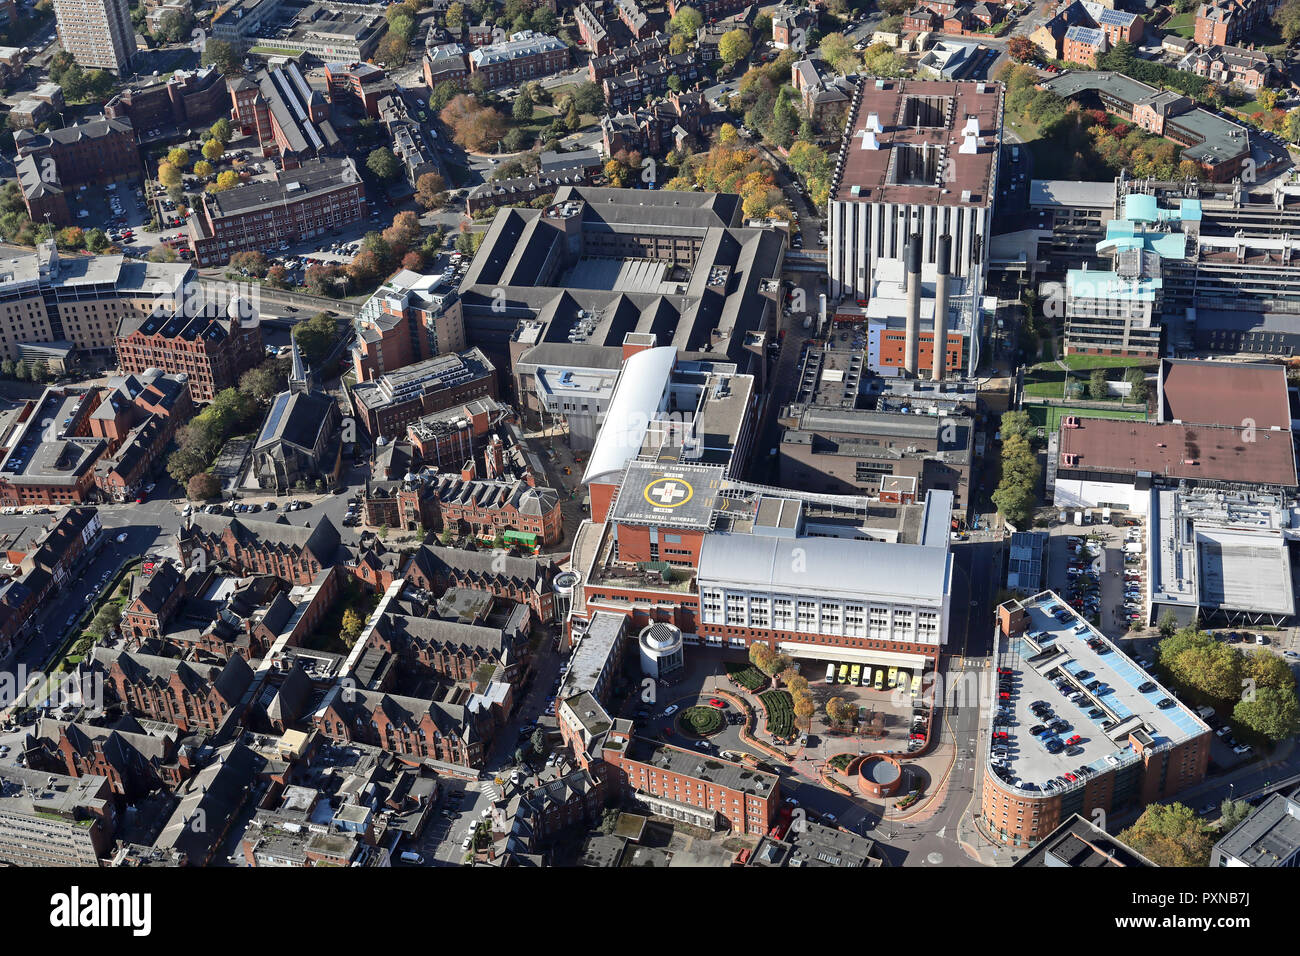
(1079, 361)
(1184, 25)
(1045, 382)
(1048, 417)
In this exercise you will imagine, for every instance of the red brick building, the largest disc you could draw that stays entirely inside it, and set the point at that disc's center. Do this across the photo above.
(526, 580)
(304, 202)
(293, 553)
(194, 697)
(525, 56)
(154, 599)
(213, 346)
(673, 782)
(404, 725)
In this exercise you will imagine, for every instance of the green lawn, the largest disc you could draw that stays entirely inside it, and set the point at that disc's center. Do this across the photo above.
(1081, 361)
(1184, 25)
(1048, 417)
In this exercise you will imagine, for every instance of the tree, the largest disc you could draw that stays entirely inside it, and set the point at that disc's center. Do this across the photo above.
(431, 191)
(203, 169)
(1232, 813)
(589, 98)
(401, 235)
(227, 180)
(443, 94)
(203, 486)
(687, 22)
(253, 262)
(1138, 380)
(263, 382)
(383, 163)
(538, 741)
(522, 110)
(734, 47)
(677, 45)
(222, 131)
(351, 627)
(1167, 624)
(180, 158)
(220, 54)
(96, 240)
(393, 49)
(1170, 835)
(316, 337)
(1272, 712)
(454, 18)
(169, 175)
(1021, 49)
(213, 150)
(1097, 390)
(1194, 659)
(840, 711)
(70, 237)
(1016, 424)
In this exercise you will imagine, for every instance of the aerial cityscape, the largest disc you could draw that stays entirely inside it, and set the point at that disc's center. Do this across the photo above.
(464, 433)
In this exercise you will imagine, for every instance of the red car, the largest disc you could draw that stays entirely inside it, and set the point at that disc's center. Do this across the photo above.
(1071, 777)
(999, 735)
(668, 731)
(1072, 741)
(715, 702)
(916, 737)
(1004, 670)
(1003, 695)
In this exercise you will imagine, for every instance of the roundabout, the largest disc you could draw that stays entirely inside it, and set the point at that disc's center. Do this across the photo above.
(701, 721)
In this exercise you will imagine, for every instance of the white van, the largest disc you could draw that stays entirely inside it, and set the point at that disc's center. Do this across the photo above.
(410, 856)
(830, 673)
(1105, 516)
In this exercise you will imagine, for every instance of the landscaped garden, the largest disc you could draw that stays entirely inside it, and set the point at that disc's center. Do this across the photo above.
(748, 676)
(701, 720)
(780, 713)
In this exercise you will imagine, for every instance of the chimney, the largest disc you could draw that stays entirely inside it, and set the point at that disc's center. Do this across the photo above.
(911, 333)
(941, 309)
(469, 470)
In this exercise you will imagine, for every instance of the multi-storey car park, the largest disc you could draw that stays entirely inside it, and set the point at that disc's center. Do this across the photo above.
(1077, 726)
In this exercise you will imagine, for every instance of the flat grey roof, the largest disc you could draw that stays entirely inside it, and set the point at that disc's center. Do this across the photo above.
(1070, 194)
(1268, 837)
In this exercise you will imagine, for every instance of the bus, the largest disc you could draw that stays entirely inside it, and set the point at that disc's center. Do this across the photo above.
(830, 673)
(844, 673)
(893, 677)
(855, 674)
(880, 678)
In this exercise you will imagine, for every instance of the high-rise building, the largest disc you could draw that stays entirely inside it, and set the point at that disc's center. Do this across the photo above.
(98, 33)
(919, 157)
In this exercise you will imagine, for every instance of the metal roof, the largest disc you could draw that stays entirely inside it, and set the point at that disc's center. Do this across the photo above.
(849, 568)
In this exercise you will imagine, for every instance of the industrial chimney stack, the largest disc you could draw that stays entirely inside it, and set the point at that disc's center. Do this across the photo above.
(912, 333)
(941, 309)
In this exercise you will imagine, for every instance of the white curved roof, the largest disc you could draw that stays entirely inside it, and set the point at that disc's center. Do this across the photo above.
(637, 395)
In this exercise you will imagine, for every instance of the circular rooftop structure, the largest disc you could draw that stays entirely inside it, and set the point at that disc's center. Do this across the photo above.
(660, 645)
(880, 775)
